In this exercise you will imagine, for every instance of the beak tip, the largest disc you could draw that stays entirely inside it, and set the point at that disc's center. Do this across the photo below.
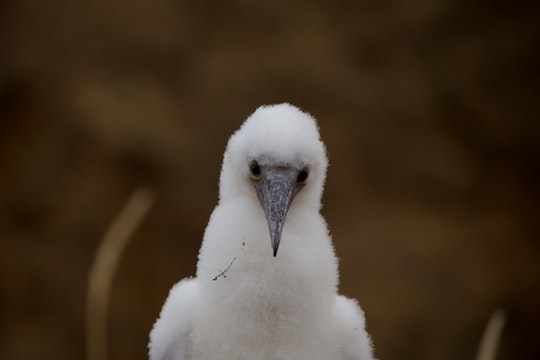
(275, 241)
(275, 247)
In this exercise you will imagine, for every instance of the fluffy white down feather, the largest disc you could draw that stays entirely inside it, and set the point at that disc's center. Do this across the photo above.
(245, 303)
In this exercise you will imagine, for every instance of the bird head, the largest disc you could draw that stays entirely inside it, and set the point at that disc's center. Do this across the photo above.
(278, 159)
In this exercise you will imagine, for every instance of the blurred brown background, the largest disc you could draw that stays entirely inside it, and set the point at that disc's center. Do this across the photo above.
(429, 110)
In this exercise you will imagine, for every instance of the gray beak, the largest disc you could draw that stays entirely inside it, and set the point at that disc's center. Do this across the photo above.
(276, 190)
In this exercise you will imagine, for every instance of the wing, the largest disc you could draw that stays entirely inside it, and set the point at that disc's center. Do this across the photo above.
(169, 339)
(356, 341)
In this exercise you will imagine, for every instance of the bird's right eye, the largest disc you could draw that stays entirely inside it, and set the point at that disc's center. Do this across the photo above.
(255, 170)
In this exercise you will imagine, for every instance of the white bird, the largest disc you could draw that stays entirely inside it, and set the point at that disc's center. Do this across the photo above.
(248, 301)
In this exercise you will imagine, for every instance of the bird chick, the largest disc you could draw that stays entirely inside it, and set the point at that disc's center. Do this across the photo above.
(248, 301)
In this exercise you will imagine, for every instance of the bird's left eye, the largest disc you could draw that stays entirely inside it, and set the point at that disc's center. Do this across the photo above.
(255, 170)
(302, 176)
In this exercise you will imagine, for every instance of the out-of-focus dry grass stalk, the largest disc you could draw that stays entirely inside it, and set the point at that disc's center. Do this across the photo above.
(488, 345)
(103, 269)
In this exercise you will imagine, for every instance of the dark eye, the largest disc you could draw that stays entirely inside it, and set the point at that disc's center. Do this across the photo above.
(255, 170)
(302, 176)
